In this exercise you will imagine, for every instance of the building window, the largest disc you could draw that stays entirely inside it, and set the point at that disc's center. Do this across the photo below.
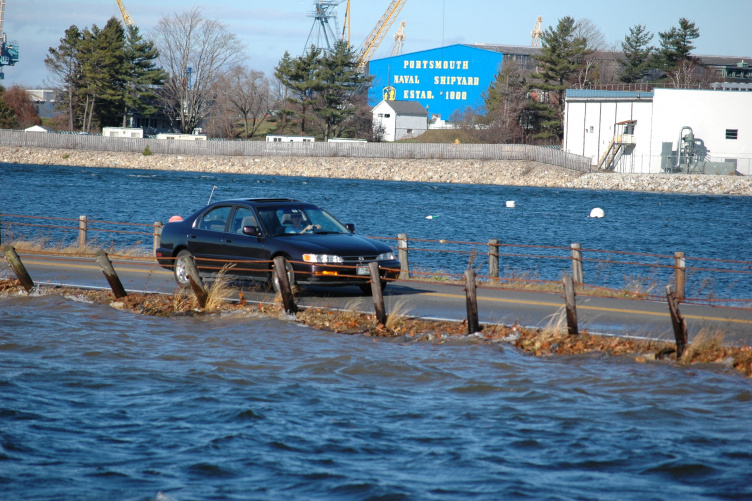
(732, 133)
(387, 115)
(409, 131)
(381, 115)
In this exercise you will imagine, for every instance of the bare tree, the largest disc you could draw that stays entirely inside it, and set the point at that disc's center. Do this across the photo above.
(590, 62)
(249, 96)
(195, 52)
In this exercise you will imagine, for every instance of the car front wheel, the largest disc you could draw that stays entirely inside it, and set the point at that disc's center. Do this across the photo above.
(181, 269)
(290, 277)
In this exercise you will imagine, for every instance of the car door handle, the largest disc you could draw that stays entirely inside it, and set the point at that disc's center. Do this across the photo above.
(192, 236)
(227, 241)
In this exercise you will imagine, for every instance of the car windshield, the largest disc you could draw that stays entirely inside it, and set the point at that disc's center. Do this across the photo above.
(297, 220)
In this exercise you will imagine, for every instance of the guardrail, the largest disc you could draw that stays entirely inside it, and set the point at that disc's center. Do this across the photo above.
(644, 275)
(533, 153)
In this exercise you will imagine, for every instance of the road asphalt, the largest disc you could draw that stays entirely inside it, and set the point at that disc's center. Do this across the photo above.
(431, 300)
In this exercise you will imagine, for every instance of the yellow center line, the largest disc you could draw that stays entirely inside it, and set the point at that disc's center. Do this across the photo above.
(594, 308)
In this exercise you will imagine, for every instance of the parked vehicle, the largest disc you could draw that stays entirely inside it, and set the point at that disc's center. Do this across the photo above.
(248, 234)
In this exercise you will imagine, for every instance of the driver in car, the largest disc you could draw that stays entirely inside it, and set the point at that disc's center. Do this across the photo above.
(297, 224)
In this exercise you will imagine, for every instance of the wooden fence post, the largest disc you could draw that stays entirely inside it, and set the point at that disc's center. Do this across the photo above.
(493, 260)
(570, 305)
(472, 302)
(82, 227)
(158, 226)
(577, 264)
(677, 321)
(18, 268)
(110, 274)
(378, 296)
(680, 276)
(403, 259)
(195, 280)
(288, 301)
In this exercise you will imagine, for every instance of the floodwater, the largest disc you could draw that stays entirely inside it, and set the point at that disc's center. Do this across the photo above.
(103, 404)
(98, 403)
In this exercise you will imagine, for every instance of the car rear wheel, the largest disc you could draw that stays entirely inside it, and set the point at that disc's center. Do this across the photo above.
(290, 277)
(180, 270)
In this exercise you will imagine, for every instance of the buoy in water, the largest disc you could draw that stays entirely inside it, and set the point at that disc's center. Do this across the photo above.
(510, 204)
(597, 212)
(432, 216)
(175, 219)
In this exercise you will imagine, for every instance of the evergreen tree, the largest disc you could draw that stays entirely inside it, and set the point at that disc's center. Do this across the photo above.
(674, 56)
(504, 103)
(64, 64)
(104, 73)
(8, 118)
(339, 79)
(638, 54)
(142, 76)
(301, 76)
(562, 54)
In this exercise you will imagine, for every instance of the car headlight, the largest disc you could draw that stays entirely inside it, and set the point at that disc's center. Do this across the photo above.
(386, 256)
(321, 258)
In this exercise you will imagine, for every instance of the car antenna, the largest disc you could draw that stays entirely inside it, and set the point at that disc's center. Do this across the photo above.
(212, 194)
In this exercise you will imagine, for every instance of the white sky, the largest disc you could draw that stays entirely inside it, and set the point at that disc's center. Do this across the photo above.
(267, 29)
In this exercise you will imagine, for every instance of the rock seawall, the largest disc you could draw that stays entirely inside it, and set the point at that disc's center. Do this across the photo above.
(496, 172)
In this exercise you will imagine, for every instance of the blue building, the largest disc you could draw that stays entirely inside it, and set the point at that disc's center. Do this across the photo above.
(443, 80)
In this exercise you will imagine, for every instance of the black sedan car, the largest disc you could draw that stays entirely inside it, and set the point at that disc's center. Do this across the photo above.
(249, 233)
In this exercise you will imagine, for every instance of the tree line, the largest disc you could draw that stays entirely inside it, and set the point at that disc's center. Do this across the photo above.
(192, 72)
(520, 108)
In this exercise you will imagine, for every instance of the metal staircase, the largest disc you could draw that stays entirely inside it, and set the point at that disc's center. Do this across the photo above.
(618, 145)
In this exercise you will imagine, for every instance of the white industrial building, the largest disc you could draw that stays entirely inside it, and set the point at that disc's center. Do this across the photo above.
(395, 120)
(665, 130)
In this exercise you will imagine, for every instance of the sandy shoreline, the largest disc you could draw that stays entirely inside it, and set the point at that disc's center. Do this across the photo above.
(490, 172)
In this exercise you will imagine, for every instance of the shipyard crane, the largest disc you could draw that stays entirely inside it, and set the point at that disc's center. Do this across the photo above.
(378, 33)
(8, 50)
(127, 19)
(399, 40)
(324, 16)
(536, 33)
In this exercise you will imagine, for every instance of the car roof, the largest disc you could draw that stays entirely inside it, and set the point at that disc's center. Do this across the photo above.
(259, 201)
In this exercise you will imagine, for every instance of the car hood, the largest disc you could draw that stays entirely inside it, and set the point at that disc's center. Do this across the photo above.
(339, 244)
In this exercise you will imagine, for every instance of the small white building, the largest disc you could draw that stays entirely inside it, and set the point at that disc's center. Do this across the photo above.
(39, 128)
(182, 137)
(395, 120)
(290, 139)
(664, 130)
(122, 132)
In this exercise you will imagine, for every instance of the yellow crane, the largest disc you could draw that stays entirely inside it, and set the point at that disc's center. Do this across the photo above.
(379, 32)
(399, 40)
(346, 24)
(536, 33)
(127, 19)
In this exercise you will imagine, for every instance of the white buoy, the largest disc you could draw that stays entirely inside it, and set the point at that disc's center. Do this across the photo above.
(510, 204)
(597, 212)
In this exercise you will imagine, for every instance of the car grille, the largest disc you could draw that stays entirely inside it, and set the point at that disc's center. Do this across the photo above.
(358, 259)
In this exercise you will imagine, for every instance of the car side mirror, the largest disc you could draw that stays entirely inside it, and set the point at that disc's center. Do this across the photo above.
(350, 227)
(251, 230)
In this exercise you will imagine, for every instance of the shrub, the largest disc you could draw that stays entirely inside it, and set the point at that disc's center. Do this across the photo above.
(147, 152)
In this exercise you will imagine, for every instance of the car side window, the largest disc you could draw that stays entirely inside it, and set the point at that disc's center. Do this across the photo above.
(215, 219)
(243, 217)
